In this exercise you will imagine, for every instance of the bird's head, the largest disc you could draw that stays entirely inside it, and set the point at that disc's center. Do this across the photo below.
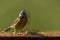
(22, 13)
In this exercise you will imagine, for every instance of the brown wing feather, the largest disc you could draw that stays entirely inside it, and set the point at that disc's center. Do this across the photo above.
(16, 20)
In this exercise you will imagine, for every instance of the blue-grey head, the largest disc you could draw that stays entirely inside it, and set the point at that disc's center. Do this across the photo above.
(22, 13)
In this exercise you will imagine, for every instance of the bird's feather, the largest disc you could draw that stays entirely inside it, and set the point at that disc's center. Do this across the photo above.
(16, 20)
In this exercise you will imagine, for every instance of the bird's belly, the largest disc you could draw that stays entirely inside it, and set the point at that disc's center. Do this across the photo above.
(21, 23)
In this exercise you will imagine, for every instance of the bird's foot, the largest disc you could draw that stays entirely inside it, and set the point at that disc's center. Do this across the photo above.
(21, 33)
(25, 33)
(14, 33)
(18, 33)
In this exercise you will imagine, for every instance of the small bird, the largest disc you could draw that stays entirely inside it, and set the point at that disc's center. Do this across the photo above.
(19, 23)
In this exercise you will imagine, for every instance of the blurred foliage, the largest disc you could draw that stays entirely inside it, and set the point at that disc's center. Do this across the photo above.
(44, 14)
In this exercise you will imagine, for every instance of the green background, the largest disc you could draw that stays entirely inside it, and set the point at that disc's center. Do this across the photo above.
(44, 14)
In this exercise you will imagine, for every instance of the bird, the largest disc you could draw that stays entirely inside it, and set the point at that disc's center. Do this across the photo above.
(19, 23)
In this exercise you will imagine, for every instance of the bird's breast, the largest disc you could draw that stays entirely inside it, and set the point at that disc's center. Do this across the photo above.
(21, 23)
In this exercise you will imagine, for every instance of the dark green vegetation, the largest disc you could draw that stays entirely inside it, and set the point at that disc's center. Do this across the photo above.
(45, 14)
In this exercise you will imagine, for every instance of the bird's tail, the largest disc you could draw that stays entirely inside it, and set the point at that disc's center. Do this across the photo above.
(7, 29)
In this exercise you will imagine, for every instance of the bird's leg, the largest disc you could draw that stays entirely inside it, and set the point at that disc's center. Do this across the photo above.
(14, 30)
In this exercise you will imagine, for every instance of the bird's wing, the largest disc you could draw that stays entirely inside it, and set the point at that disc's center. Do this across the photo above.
(16, 20)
